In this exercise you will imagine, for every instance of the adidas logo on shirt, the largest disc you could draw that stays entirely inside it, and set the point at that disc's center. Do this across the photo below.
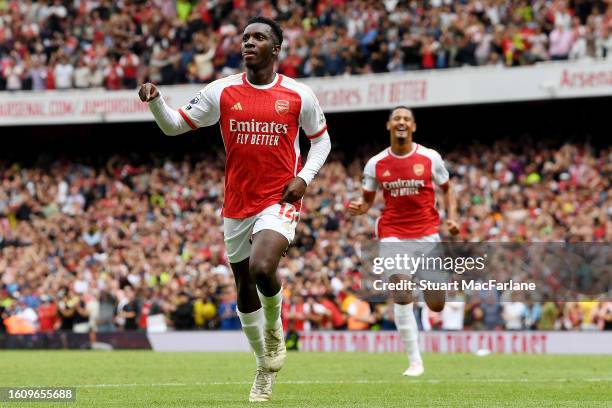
(386, 173)
(237, 106)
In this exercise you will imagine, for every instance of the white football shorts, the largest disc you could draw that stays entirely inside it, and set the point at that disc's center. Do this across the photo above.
(282, 218)
(427, 246)
(426, 238)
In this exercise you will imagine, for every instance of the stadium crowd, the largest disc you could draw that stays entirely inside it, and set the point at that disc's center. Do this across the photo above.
(137, 240)
(61, 44)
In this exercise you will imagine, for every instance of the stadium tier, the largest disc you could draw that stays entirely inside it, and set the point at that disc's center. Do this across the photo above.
(117, 45)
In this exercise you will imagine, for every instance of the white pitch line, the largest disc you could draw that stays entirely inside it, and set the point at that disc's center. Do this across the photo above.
(306, 382)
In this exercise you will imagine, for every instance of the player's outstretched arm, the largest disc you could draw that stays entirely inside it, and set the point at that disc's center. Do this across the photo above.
(168, 119)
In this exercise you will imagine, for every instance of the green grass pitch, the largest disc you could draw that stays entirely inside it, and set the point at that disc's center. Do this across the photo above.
(147, 379)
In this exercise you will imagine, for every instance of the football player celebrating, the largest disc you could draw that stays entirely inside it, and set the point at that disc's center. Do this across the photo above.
(260, 113)
(408, 173)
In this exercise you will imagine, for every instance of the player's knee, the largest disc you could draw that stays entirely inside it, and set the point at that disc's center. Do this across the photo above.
(401, 300)
(261, 269)
(436, 306)
(435, 300)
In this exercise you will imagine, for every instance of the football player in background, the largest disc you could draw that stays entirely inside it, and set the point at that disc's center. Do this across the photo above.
(408, 173)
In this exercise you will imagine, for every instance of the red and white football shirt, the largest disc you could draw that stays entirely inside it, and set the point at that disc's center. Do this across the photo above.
(408, 189)
(260, 128)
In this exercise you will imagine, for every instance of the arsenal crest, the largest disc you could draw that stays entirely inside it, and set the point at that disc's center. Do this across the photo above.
(418, 169)
(281, 106)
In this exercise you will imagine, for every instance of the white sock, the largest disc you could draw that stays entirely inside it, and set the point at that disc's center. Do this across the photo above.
(252, 326)
(409, 331)
(271, 309)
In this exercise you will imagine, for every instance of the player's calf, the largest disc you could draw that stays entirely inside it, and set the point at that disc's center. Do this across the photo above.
(407, 327)
(268, 246)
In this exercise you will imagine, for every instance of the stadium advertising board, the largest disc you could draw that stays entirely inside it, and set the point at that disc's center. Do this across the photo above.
(480, 342)
(338, 94)
(504, 342)
(77, 341)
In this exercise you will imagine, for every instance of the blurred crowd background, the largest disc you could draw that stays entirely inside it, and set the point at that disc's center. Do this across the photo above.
(62, 44)
(134, 241)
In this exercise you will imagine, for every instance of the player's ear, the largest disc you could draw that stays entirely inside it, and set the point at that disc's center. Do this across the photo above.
(388, 125)
(413, 127)
(276, 50)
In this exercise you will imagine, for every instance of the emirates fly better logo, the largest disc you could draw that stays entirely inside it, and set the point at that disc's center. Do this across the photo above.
(251, 132)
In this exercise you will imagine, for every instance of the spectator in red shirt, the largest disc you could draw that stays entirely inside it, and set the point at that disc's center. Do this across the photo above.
(47, 315)
(129, 64)
(296, 313)
(337, 318)
(427, 54)
(290, 66)
(51, 76)
(113, 75)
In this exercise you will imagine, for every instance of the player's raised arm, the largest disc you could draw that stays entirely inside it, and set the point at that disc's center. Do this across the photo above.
(169, 120)
(203, 110)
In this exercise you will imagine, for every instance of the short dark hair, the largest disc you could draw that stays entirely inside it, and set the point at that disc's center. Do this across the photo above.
(276, 28)
(400, 107)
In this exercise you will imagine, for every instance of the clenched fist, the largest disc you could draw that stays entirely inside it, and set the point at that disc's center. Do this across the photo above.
(148, 92)
(294, 190)
(358, 207)
(453, 227)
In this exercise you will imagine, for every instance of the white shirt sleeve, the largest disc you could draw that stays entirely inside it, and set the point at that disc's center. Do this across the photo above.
(203, 110)
(168, 119)
(319, 149)
(312, 119)
(369, 176)
(439, 172)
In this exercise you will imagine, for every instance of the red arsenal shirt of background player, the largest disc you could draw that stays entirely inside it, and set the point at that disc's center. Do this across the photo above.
(407, 172)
